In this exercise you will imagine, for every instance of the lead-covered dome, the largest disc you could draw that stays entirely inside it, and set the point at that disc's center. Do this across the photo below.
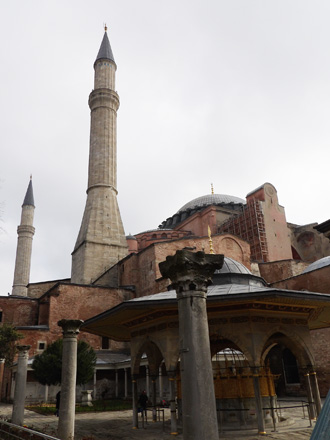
(325, 261)
(230, 203)
(235, 273)
(233, 266)
(211, 199)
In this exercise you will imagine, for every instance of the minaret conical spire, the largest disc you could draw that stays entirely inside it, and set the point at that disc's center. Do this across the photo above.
(25, 232)
(101, 241)
(105, 52)
(29, 199)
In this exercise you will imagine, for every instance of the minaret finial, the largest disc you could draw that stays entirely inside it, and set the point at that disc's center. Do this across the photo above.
(210, 240)
(212, 190)
(105, 27)
(31, 176)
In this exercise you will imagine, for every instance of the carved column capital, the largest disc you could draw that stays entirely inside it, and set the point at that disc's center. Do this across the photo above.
(23, 350)
(190, 271)
(70, 327)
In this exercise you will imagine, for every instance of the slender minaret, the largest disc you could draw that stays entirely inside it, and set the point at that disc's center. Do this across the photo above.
(101, 242)
(25, 232)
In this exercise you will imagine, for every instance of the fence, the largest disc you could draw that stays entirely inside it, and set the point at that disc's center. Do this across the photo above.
(8, 431)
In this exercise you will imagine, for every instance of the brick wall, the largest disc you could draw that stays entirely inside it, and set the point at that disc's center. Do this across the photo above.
(19, 311)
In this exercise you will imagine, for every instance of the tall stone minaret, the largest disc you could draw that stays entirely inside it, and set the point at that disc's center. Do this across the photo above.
(25, 232)
(101, 241)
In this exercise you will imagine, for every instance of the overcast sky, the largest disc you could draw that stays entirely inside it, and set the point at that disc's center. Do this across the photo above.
(231, 92)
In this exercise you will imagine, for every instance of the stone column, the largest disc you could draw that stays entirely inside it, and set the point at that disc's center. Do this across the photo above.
(316, 392)
(171, 377)
(126, 393)
(70, 328)
(160, 383)
(147, 381)
(20, 384)
(258, 399)
(116, 383)
(154, 401)
(190, 274)
(311, 407)
(94, 385)
(46, 393)
(2, 371)
(135, 402)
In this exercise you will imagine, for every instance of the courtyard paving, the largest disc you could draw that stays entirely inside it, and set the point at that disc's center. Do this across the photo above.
(118, 426)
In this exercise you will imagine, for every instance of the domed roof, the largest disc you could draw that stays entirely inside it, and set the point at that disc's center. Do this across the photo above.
(211, 199)
(325, 261)
(130, 237)
(235, 273)
(232, 266)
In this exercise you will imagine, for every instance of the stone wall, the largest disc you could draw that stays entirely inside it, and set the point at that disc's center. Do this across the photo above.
(281, 270)
(141, 270)
(18, 310)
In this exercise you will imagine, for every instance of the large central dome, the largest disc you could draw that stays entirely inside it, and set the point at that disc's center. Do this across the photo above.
(230, 203)
(211, 199)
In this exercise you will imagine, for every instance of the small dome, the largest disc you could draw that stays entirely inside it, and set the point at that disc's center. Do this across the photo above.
(232, 266)
(130, 237)
(211, 199)
(318, 264)
(234, 273)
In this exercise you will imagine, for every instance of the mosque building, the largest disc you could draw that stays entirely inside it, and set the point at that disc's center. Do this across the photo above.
(272, 292)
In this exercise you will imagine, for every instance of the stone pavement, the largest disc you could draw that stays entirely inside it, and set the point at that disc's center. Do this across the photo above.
(118, 426)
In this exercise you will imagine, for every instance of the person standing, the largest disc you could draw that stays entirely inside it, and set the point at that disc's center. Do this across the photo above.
(58, 400)
(142, 402)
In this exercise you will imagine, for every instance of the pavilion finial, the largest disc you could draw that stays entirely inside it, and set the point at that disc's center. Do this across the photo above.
(210, 240)
(212, 190)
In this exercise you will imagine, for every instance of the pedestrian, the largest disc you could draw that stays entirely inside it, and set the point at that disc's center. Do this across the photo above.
(58, 400)
(142, 402)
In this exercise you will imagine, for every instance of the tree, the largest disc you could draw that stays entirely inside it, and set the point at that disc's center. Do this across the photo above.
(47, 366)
(8, 336)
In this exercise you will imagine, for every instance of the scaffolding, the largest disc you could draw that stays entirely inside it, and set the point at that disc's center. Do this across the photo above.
(250, 226)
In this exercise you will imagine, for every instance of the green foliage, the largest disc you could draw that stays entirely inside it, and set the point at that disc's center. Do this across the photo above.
(48, 365)
(8, 337)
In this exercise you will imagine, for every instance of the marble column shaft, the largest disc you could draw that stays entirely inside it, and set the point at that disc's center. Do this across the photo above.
(190, 274)
(174, 427)
(258, 399)
(20, 385)
(135, 403)
(316, 392)
(311, 408)
(69, 374)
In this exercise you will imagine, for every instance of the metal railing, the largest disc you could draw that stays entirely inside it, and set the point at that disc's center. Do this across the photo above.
(158, 414)
(9, 431)
(275, 412)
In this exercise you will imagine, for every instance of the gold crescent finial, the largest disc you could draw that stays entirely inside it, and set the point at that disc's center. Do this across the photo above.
(210, 240)
(212, 190)
(105, 27)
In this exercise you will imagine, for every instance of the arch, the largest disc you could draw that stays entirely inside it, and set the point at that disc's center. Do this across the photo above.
(286, 358)
(293, 342)
(226, 339)
(154, 356)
